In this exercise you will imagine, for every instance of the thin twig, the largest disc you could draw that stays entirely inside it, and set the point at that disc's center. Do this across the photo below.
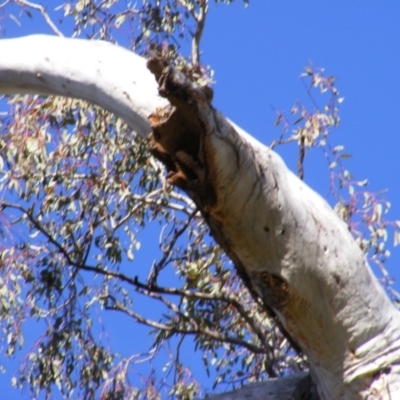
(200, 19)
(117, 306)
(42, 11)
(148, 289)
(157, 267)
(40, 228)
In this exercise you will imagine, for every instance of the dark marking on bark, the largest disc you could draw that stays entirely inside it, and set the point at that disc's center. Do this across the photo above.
(271, 288)
(300, 161)
(335, 252)
(266, 229)
(338, 279)
(276, 186)
(384, 371)
(260, 170)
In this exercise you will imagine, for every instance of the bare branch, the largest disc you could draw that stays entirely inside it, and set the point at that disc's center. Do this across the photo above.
(100, 72)
(194, 330)
(42, 11)
(200, 20)
(150, 289)
(152, 279)
(40, 228)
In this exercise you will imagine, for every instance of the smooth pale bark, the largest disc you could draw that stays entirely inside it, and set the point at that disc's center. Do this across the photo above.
(285, 240)
(97, 71)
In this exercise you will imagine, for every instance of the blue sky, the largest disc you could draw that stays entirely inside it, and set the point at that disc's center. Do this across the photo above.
(258, 53)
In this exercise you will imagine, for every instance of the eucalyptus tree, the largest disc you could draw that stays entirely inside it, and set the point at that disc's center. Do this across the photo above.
(99, 142)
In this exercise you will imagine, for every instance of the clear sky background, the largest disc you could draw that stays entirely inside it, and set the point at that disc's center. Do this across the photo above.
(258, 54)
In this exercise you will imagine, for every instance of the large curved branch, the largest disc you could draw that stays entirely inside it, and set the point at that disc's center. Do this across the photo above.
(100, 72)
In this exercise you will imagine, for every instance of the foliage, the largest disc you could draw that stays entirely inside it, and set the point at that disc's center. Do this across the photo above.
(364, 211)
(77, 190)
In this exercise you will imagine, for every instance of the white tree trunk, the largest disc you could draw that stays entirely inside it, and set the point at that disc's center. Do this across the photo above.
(282, 236)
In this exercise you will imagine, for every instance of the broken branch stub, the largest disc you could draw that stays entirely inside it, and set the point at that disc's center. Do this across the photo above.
(179, 134)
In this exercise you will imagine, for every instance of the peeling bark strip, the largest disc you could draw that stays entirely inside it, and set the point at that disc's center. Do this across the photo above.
(286, 242)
